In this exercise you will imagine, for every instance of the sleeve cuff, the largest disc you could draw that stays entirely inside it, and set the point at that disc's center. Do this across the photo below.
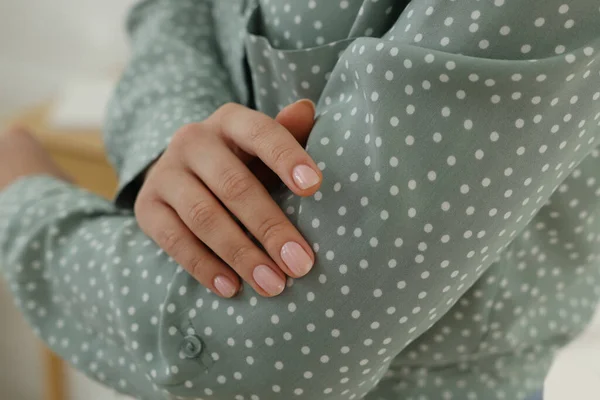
(130, 187)
(19, 194)
(27, 188)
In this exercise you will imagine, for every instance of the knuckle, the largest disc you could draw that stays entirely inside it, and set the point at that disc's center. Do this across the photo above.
(185, 135)
(235, 185)
(169, 240)
(142, 205)
(281, 154)
(196, 266)
(139, 204)
(225, 111)
(138, 208)
(202, 216)
(240, 255)
(270, 229)
(260, 129)
(228, 107)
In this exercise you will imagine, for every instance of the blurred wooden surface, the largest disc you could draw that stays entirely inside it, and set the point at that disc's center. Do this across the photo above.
(81, 154)
(55, 376)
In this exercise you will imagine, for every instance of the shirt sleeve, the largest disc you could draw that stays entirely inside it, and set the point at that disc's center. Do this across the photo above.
(175, 77)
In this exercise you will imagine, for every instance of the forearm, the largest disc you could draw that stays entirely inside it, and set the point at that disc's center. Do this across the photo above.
(105, 298)
(60, 254)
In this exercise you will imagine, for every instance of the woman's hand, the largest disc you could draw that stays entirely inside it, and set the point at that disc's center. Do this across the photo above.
(221, 166)
(21, 154)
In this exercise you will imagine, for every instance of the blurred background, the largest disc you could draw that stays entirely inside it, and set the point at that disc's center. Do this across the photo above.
(45, 45)
(59, 56)
(58, 63)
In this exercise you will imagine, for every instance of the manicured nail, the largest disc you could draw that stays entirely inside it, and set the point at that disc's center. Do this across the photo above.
(308, 102)
(305, 177)
(296, 258)
(268, 280)
(225, 286)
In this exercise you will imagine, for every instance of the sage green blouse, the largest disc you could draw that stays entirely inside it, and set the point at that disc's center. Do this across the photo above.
(455, 230)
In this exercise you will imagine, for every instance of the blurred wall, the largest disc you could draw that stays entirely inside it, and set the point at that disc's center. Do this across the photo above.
(43, 45)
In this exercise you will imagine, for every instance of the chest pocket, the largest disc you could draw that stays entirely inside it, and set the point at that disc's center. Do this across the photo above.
(282, 75)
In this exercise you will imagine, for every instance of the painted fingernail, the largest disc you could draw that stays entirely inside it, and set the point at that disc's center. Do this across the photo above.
(268, 280)
(308, 102)
(305, 177)
(225, 286)
(296, 258)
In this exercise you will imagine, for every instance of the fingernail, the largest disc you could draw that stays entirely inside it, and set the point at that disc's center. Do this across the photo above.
(308, 102)
(296, 258)
(267, 279)
(224, 286)
(305, 177)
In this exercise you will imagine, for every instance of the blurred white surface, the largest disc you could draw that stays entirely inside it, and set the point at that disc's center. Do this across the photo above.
(44, 44)
(81, 104)
(21, 372)
(575, 374)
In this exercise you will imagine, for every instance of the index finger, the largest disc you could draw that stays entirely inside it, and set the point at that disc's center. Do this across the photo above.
(258, 134)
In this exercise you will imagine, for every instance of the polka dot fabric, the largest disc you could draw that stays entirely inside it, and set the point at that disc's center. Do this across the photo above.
(173, 79)
(455, 230)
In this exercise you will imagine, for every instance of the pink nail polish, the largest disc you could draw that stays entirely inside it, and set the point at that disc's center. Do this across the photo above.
(308, 102)
(267, 279)
(296, 258)
(224, 286)
(305, 177)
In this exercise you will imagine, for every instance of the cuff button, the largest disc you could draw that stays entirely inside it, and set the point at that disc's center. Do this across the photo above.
(191, 346)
